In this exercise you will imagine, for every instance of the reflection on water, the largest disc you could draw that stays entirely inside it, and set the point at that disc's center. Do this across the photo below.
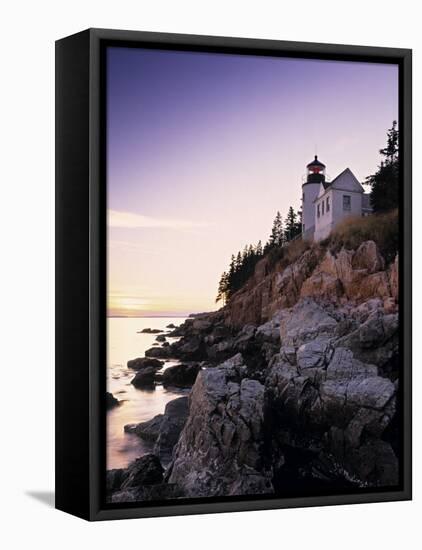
(123, 343)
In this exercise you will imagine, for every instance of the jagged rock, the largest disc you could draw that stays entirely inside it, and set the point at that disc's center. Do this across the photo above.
(145, 378)
(114, 479)
(173, 421)
(219, 450)
(111, 401)
(269, 331)
(368, 257)
(157, 492)
(181, 376)
(306, 321)
(143, 362)
(150, 331)
(171, 325)
(146, 470)
(161, 338)
(337, 394)
(375, 340)
(148, 430)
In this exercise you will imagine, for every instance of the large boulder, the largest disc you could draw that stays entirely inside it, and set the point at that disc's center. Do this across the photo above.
(146, 470)
(306, 321)
(220, 448)
(175, 415)
(159, 352)
(143, 362)
(181, 376)
(148, 430)
(145, 378)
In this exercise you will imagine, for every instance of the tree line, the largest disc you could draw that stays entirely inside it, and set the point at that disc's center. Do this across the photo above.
(242, 264)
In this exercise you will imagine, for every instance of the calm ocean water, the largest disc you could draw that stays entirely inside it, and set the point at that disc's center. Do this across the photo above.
(137, 405)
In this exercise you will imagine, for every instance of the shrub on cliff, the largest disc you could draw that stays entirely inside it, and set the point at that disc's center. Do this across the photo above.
(354, 230)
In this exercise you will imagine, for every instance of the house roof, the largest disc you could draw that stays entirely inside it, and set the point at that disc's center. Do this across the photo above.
(345, 181)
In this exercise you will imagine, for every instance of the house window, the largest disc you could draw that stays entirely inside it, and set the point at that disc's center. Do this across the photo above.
(318, 211)
(328, 204)
(347, 203)
(323, 205)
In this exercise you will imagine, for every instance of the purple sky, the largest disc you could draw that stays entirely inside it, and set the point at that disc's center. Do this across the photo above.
(203, 149)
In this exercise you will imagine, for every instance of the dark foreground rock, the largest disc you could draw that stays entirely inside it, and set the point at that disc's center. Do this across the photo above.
(220, 449)
(150, 331)
(143, 362)
(111, 401)
(159, 352)
(141, 480)
(145, 378)
(163, 429)
(148, 430)
(173, 421)
(181, 376)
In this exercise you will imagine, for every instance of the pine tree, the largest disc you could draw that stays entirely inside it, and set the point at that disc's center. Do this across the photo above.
(258, 249)
(222, 288)
(290, 226)
(385, 182)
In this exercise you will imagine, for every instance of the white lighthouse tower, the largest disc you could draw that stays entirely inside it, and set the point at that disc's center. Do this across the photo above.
(314, 177)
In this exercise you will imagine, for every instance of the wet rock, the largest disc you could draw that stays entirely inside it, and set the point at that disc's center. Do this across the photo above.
(149, 331)
(181, 376)
(159, 352)
(148, 430)
(144, 362)
(171, 325)
(111, 401)
(145, 378)
(173, 421)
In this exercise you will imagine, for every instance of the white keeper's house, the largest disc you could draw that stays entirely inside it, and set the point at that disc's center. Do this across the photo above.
(325, 203)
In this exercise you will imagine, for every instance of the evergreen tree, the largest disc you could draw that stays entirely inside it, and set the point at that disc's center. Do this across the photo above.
(259, 249)
(276, 237)
(290, 226)
(385, 182)
(223, 288)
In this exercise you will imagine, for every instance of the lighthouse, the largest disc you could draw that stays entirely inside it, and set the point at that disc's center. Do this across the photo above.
(315, 176)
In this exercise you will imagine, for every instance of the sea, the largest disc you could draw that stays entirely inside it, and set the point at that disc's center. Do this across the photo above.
(124, 342)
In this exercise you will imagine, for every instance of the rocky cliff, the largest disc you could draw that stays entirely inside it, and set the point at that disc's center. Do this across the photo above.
(297, 381)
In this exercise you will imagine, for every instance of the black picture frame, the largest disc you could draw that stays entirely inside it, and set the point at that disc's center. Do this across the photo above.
(81, 267)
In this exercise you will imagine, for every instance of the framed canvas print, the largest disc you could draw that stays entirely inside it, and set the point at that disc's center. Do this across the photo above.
(233, 274)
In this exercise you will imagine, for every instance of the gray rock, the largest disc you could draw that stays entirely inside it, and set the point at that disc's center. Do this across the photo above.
(219, 450)
(173, 421)
(306, 321)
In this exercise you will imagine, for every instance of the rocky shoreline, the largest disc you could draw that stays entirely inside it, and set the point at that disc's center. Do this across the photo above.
(295, 387)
